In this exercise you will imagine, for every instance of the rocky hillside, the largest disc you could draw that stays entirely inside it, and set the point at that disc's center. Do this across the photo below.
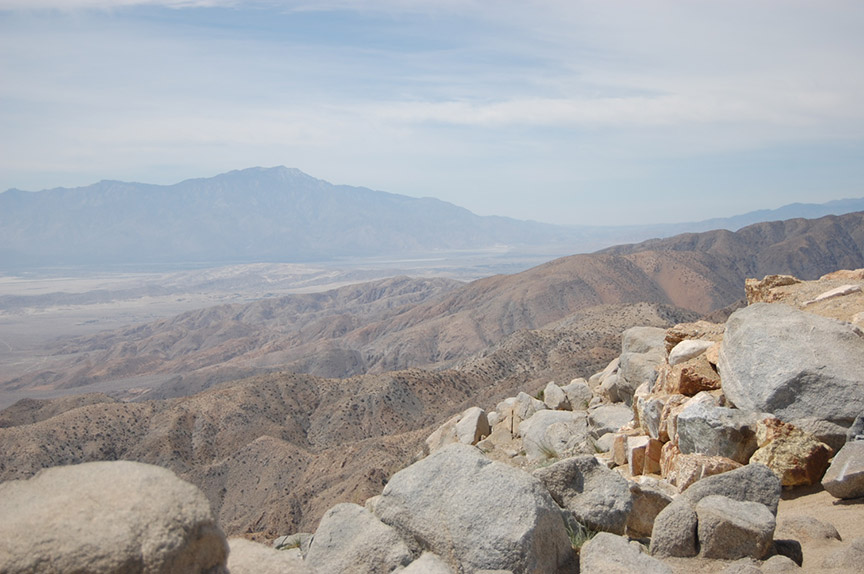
(402, 323)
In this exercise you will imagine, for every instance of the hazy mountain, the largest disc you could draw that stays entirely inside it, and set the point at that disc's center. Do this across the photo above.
(282, 214)
(257, 214)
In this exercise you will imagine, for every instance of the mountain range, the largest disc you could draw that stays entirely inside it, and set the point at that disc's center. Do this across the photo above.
(282, 214)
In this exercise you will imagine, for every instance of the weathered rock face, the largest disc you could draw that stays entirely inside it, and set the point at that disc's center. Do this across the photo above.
(845, 477)
(476, 514)
(598, 497)
(109, 517)
(793, 364)
(352, 539)
(610, 554)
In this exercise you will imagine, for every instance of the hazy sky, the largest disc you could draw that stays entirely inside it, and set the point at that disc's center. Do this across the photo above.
(570, 111)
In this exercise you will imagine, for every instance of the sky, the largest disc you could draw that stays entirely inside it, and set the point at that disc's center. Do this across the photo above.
(595, 112)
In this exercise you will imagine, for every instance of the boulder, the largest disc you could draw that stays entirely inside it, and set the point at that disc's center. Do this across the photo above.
(642, 351)
(578, 394)
(472, 426)
(717, 431)
(806, 528)
(845, 477)
(793, 364)
(249, 557)
(555, 398)
(675, 530)
(648, 500)
(688, 377)
(731, 529)
(350, 538)
(796, 457)
(687, 350)
(452, 502)
(553, 434)
(111, 517)
(608, 418)
(596, 496)
(610, 554)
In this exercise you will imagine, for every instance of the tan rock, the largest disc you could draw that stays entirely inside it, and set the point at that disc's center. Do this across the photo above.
(762, 290)
(692, 377)
(685, 469)
(619, 449)
(636, 446)
(653, 453)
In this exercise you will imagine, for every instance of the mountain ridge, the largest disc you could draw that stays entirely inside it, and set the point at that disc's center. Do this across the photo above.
(282, 214)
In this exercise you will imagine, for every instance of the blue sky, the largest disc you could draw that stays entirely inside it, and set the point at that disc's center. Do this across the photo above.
(564, 111)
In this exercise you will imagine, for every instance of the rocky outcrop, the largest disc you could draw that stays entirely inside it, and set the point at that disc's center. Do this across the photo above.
(111, 517)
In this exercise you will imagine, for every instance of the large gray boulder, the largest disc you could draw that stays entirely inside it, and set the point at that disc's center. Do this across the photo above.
(610, 554)
(476, 514)
(845, 477)
(349, 538)
(730, 529)
(793, 364)
(108, 517)
(717, 431)
(597, 496)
